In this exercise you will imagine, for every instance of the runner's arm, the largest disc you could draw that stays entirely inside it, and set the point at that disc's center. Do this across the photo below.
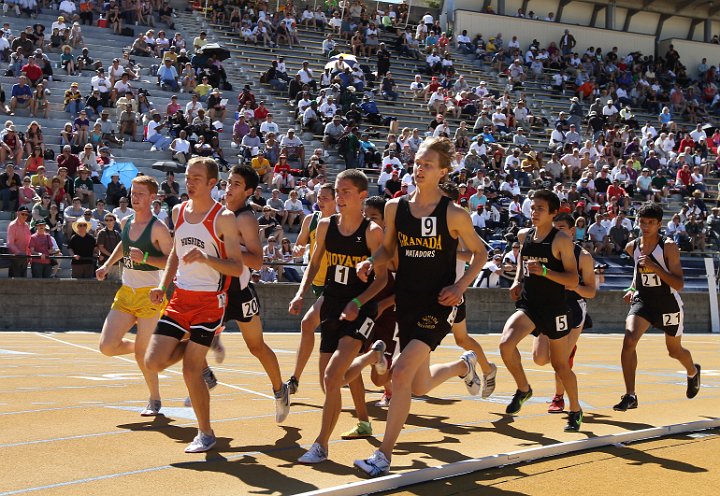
(303, 237)
(386, 251)
(374, 242)
(588, 288)
(162, 239)
(250, 232)
(563, 249)
(673, 277)
(316, 259)
(460, 223)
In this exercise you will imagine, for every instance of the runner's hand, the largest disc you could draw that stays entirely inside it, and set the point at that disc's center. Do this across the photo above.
(195, 255)
(629, 296)
(157, 295)
(351, 312)
(515, 291)
(101, 273)
(295, 305)
(450, 296)
(364, 269)
(136, 255)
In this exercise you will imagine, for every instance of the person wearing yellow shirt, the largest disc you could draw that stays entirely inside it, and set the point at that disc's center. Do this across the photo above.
(200, 41)
(39, 180)
(203, 89)
(261, 166)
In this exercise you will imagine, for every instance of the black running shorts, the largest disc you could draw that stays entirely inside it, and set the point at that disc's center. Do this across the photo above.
(552, 321)
(332, 329)
(243, 304)
(422, 318)
(579, 315)
(666, 315)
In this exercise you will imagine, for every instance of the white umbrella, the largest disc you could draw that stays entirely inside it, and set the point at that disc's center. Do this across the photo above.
(348, 58)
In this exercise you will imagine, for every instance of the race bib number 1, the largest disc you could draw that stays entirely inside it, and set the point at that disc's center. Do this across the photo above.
(366, 327)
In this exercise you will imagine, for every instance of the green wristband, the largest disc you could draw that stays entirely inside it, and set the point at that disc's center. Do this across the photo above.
(544, 270)
(162, 287)
(357, 302)
(145, 257)
(630, 289)
(371, 259)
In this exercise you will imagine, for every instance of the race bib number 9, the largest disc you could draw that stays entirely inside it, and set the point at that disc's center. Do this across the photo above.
(429, 226)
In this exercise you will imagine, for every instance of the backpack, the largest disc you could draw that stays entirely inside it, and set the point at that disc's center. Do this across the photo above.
(49, 154)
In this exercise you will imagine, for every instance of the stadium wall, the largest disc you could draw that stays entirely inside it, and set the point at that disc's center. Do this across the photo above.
(61, 305)
(545, 32)
(691, 53)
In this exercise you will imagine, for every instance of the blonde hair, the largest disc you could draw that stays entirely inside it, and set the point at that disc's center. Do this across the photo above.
(444, 147)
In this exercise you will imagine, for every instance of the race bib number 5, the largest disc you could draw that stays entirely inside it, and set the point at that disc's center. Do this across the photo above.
(561, 323)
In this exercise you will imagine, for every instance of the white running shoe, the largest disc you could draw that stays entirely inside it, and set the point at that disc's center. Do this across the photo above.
(384, 400)
(218, 349)
(152, 409)
(202, 443)
(381, 364)
(316, 454)
(375, 466)
(471, 379)
(282, 403)
(488, 382)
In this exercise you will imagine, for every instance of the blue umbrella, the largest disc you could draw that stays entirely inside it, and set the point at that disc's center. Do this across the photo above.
(126, 170)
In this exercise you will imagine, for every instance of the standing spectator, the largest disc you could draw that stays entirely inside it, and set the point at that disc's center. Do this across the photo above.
(170, 189)
(82, 247)
(123, 211)
(107, 239)
(383, 60)
(41, 243)
(9, 189)
(18, 243)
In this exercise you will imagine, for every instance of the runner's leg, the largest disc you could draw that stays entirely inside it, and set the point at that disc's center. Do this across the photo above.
(145, 328)
(517, 328)
(467, 342)
(635, 327)
(253, 335)
(193, 365)
(310, 322)
(559, 357)
(572, 338)
(112, 338)
(541, 350)
(679, 353)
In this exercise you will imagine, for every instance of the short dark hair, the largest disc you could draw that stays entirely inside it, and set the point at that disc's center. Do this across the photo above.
(551, 198)
(376, 202)
(329, 187)
(565, 217)
(248, 174)
(650, 210)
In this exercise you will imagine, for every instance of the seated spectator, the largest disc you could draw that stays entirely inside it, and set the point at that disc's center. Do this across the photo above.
(21, 94)
(269, 225)
(294, 208)
(12, 149)
(168, 77)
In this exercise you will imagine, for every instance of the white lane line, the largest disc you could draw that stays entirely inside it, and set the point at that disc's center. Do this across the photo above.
(231, 386)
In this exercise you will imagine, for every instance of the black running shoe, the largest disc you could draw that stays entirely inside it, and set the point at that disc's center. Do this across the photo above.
(517, 401)
(693, 385)
(627, 402)
(292, 384)
(209, 378)
(574, 421)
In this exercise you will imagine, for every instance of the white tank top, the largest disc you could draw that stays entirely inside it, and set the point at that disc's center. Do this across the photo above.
(203, 235)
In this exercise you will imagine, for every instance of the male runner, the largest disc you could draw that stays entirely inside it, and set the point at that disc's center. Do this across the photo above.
(347, 312)
(206, 249)
(424, 229)
(655, 301)
(576, 300)
(243, 303)
(144, 249)
(549, 266)
(311, 320)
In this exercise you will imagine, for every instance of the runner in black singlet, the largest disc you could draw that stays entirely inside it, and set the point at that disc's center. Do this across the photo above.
(547, 265)
(243, 303)
(424, 230)
(347, 312)
(579, 318)
(655, 300)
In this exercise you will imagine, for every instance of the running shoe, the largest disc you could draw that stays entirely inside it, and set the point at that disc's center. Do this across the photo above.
(574, 421)
(218, 349)
(381, 364)
(202, 443)
(693, 383)
(557, 405)
(210, 380)
(316, 454)
(488, 382)
(517, 402)
(384, 399)
(361, 430)
(572, 356)
(282, 404)
(293, 385)
(471, 379)
(627, 402)
(152, 408)
(375, 466)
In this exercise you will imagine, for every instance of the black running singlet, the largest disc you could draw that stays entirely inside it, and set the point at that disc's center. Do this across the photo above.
(342, 254)
(650, 287)
(572, 295)
(537, 286)
(235, 286)
(427, 252)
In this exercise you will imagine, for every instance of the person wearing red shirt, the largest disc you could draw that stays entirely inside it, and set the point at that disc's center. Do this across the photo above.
(683, 179)
(33, 71)
(261, 112)
(616, 191)
(282, 165)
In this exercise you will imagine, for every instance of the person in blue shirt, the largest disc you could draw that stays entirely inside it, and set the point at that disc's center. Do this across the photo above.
(168, 76)
(487, 135)
(21, 94)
